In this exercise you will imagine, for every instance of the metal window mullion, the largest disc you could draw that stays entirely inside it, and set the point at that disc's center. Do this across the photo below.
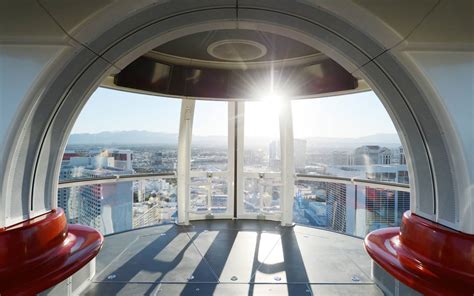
(239, 154)
(184, 159)
(231, 154)
(287, 163)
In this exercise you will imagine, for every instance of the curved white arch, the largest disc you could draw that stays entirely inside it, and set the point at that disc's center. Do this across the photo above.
(103, 40)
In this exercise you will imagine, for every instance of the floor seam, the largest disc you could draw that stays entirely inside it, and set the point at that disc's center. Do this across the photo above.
(158, 287)
(203, 258)
(115, 258)
(252, 277)
(357, 265)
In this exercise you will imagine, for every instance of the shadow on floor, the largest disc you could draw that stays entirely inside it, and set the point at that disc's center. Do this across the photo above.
(222, 258)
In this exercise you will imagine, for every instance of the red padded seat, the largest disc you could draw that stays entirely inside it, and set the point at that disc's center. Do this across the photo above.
(426, 256)
(40, 253)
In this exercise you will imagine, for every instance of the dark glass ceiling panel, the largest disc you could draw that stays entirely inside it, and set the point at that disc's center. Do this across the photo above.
(298, 81)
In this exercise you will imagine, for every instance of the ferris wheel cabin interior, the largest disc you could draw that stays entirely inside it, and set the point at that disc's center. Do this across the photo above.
(235, 147)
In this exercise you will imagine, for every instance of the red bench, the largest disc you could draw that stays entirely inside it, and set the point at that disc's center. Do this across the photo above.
(40, 253)
(426, 256)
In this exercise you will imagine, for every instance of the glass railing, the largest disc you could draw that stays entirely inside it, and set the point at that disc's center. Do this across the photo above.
(119, 203)
(349, 205)
(209, 193)
(262, 193)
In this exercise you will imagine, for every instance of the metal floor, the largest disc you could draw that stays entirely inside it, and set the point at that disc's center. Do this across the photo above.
(224, 257)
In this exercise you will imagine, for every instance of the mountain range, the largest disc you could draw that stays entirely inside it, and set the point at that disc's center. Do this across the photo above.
(158, 138)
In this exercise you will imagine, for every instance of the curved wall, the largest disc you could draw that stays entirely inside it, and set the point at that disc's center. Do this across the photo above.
(52, 67)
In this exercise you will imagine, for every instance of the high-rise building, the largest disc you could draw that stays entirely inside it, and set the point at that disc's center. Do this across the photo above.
(373, 207)
(372, 154)
(398, 156)
(106, 207)
(122, 158)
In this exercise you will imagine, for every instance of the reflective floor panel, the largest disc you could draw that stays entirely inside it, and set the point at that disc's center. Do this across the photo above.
(232, 258)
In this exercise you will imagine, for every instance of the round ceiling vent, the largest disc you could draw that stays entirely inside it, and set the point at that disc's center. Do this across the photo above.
(237, 50)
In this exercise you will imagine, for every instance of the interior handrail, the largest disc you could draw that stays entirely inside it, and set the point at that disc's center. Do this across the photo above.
(114, 179)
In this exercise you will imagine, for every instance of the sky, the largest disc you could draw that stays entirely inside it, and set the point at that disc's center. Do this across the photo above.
(348, 116)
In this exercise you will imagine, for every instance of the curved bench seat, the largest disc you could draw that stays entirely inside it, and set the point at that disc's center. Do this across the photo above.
(425, 256)
(40, 253)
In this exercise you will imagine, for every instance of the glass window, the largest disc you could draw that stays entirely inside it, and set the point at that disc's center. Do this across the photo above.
(209, 139)
(122, 133)
(262, 158)
(262, 195)
(261, 137)
(209, 156)
(346, 136)
(209, 195)
(349, 136)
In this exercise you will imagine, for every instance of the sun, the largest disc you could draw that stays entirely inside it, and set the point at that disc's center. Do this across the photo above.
(273, 102)
(262, 115)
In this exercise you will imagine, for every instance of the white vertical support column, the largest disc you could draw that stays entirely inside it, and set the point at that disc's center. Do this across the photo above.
(184, 159)
(287, 163)
(239, 195)
(231, 135)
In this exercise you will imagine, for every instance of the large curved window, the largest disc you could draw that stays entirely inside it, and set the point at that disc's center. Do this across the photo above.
(349, 138)
(120, 134)
(339, 159)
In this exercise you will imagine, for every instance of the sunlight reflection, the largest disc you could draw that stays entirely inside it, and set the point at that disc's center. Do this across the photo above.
(172, 250)
(270, 242)
(241, 258)
(271, 258)
(205, 240)
(185, 259)
(273, 103)
(261, 120)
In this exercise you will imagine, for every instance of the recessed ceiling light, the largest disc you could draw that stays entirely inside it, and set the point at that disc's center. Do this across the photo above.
(237, 50)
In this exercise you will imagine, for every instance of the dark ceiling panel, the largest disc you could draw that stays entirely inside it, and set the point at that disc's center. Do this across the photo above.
(314, 79)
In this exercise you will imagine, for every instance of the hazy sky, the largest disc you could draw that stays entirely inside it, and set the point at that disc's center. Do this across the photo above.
(350, 116)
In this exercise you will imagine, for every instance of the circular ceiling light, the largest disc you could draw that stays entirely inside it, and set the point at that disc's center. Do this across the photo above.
(237, 50)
